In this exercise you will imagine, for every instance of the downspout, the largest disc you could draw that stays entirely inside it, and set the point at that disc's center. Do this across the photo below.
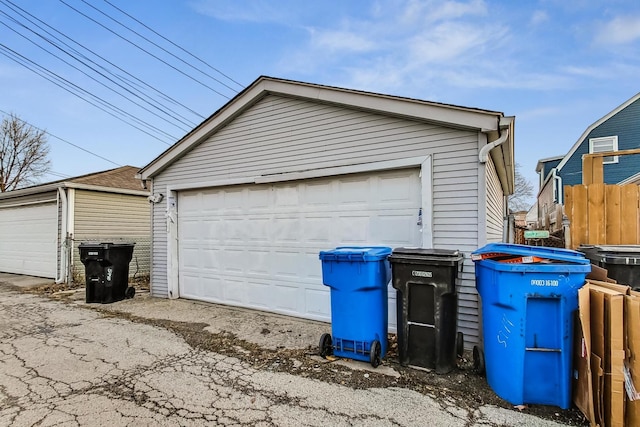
(62, 271)
(558, 184)
(483, 157)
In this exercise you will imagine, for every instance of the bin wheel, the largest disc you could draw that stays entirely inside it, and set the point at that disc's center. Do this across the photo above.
(374, 354)
(325, 345)
(130, 292)
(478, 360)
(459, 344)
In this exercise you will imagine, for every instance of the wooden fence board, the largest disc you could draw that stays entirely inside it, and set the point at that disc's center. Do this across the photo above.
(603, 214)
(596, 226)
(629, 214)
(612, 215)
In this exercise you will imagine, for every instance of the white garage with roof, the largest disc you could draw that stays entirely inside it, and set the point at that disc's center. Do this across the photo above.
(41, 226)
(245, 201)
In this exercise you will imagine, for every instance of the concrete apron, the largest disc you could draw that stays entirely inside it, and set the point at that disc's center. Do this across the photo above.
(267, 330)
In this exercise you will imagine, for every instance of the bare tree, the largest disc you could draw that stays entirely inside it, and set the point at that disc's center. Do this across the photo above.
(24, 154)
(522, 197)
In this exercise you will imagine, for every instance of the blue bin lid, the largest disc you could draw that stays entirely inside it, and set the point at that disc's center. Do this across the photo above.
(356, 253)
(553, 254)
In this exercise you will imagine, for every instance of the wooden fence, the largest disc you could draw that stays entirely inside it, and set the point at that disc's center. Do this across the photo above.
(603, 214)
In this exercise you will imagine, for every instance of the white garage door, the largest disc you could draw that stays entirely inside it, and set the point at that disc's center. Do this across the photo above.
(257, 245)
(28, 240)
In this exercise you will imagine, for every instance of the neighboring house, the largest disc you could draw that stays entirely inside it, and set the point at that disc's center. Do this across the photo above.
(247, 199)
(41, 226)
(532, 217)
(618, 130)
(549, 185)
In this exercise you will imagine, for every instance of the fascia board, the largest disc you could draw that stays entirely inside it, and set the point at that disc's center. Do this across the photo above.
(219, 119)
(382, 104)
(503, 158)
(106, 189)
(386, 104)
(31, 191)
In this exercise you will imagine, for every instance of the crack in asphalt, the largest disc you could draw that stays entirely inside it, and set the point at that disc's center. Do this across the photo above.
(65, 365)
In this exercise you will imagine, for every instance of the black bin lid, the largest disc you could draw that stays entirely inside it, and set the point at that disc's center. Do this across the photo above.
(612, 254)
(428, 255)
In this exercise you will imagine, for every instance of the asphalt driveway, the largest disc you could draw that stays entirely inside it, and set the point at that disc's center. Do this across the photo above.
(66, 363)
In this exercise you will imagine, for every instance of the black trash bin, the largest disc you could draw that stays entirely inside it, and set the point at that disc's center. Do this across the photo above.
(427, 307)
(107, 271)
(621, 261)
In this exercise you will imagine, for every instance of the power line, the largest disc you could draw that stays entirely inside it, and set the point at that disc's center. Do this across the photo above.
(99, 73)
(68, 86)
(21, 12)
(174, 44)
(64, 140)
(144, 50)
(158, 46)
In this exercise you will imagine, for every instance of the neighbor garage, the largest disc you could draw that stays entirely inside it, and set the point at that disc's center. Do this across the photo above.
(29, 238)
(244, 203)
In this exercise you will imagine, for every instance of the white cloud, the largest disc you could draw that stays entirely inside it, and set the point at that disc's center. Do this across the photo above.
(620, 30)
(248, 11)
(420, 11)
(539, 17)
(341, 40)
(588, 71)
(453, 42)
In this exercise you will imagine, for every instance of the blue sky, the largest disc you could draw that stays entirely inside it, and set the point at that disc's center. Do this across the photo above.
(556, 65)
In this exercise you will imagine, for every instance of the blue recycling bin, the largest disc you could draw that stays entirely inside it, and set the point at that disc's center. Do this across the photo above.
(358, 278)
(529, 296)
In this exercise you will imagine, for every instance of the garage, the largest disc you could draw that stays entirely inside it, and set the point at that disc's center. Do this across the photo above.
(257, 246)
(243, 203)
(29, 240)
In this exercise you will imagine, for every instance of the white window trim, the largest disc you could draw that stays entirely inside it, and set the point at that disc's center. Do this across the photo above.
(614, 144)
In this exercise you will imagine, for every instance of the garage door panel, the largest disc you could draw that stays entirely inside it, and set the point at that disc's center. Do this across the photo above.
(317, 229)
(317, 303)
(257, 245)
(29, 237)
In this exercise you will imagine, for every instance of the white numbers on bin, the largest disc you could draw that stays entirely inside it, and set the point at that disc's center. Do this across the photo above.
(539, 282)
(418, 273)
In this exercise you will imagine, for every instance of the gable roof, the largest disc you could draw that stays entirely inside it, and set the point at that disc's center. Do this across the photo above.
(548, 159)
(595, 125)
(119, 180)
(490, 122)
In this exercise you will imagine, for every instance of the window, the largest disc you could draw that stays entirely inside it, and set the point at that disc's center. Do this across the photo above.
(608, 143)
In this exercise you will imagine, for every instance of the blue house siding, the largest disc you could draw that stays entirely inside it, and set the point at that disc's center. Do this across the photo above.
(626, 125)
(548, 166)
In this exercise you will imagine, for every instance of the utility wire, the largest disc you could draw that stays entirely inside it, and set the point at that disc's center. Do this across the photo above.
(158, 46)
(174, 44)
(65, 141)
(142, 83)
(186, 124)
(68, 86)
(144, 50)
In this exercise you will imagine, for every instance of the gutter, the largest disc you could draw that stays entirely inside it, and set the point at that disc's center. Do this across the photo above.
(484, 151)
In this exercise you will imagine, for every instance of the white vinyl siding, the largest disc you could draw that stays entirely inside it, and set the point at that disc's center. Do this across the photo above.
(495, 205)
(280, 134)
(116, 218)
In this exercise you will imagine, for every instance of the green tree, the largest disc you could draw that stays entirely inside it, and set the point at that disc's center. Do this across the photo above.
(24, 154)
